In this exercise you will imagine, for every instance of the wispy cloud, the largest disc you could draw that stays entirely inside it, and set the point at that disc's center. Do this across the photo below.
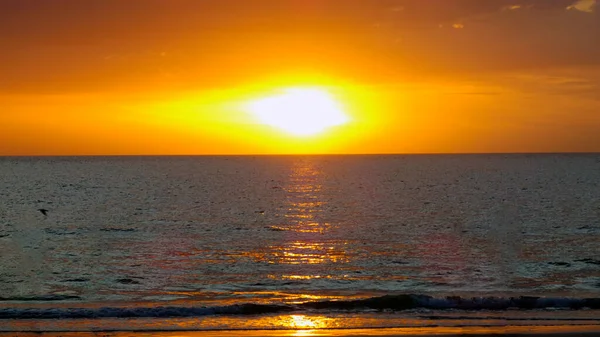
(517, 7)
(576, 83)
(584, 6)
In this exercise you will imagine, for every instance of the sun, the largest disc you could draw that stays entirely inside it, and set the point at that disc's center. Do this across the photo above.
(299, 111)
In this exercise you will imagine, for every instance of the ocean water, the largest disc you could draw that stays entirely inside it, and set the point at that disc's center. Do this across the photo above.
(298, 242)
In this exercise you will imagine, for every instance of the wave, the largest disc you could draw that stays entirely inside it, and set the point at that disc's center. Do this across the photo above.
(405, 302)
(41, 298)
(388, 303)
(156, 312)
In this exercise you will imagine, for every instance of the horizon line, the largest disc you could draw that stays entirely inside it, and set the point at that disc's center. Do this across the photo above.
(300, 154)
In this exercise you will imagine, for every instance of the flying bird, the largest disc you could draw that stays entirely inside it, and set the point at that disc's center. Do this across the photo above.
(44, 211)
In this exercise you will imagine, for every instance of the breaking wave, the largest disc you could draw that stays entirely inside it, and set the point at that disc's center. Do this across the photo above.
(388, 303)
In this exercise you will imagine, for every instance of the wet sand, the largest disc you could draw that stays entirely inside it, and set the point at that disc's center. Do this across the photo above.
(515, 331)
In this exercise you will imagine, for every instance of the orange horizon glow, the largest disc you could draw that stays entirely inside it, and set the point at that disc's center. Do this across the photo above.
(211, 77)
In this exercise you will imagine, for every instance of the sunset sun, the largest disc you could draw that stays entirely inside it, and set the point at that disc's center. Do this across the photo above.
(299, 111)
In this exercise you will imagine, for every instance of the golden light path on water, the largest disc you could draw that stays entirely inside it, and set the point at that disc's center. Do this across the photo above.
(303, 244)
(304, 228)
(514, 330)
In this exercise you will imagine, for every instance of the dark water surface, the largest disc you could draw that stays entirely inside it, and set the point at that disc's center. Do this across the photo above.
(289, 238)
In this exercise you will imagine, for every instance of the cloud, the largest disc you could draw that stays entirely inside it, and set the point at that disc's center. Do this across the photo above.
(577, 83)
(101, 42)
(583, 6)
(518, 7)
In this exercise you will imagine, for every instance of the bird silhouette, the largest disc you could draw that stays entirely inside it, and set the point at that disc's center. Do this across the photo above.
(44, 211)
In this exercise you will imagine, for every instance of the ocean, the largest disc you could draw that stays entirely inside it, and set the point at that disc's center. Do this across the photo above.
(228, 243)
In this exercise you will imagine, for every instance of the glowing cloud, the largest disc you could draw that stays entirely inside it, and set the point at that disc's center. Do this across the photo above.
(583, 6)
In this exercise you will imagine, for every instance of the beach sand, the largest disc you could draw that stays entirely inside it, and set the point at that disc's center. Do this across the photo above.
(541, 331)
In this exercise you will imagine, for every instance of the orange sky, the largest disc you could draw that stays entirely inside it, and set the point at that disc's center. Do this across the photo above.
(415, 76)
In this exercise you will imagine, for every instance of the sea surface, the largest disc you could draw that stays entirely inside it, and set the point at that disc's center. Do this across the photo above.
(298, 242)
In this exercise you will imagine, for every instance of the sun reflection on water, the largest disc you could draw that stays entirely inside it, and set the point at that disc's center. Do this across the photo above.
(304, 322)
(305, 199)
(302, 245)
(309, 253)
(305, 224)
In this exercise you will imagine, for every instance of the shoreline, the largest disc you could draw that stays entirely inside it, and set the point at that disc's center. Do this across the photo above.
(474, 331)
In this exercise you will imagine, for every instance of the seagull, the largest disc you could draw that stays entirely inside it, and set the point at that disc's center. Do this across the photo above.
(44, 211)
